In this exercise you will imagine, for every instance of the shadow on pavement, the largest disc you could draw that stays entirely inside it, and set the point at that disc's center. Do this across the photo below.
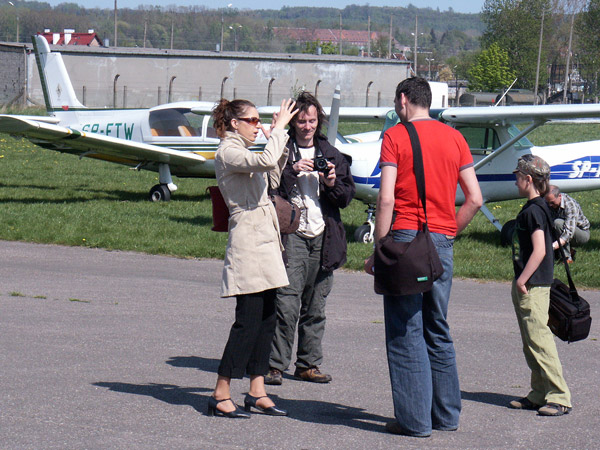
(310, 411)
(195, 362)
(168, 393)
(490, 398)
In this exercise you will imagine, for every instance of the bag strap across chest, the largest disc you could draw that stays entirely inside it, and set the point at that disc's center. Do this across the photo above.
(418, 166)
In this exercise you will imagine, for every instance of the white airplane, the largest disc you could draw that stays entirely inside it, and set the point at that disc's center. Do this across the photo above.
(174, 139)
(177, 139)
(168, 139)
(496, 144)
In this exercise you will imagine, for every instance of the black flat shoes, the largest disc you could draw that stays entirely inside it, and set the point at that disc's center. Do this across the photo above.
(250, 402)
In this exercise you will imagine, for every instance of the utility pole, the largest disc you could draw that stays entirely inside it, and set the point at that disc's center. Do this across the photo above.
(537, 71)
(369, 36)
(115, 23)
(568, 58)
(222, 19)
(340, 40)
(390, 44)
(416, 34)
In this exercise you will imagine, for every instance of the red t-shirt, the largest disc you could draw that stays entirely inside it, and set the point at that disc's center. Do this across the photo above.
(445, 154)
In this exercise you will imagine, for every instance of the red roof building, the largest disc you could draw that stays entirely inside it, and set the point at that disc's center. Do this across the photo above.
(357, 38)
(69, 37)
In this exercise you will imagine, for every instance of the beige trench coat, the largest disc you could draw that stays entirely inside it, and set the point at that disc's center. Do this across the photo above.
(253, 260)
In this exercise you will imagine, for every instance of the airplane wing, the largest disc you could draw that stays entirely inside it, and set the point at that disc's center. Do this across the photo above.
(351, 112)
(346, 112)
(519, 114)
(91, 144)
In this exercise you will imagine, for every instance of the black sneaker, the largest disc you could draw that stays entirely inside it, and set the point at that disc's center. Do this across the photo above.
(274, 377)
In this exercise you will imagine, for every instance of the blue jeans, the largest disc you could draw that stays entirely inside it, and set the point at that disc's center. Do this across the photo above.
(420, 351)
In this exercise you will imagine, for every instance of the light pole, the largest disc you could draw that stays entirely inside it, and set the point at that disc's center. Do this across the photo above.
(429, 67)
(235, 28)
(222, 26)
(416, 34)
(17, 11)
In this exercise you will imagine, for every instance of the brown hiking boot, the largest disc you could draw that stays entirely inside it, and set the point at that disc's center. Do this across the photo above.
(274, 377)
(312, 374)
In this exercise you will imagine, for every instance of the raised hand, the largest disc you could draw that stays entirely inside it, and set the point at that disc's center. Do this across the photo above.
(285, 114)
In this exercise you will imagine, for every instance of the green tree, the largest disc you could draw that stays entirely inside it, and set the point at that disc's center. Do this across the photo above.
(491, 71)
(327, 48)
(588, 31)
(460, 64)
(379, 47)
(515, 26)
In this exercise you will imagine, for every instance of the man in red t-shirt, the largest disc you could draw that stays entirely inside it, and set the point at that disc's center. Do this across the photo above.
(420, 351)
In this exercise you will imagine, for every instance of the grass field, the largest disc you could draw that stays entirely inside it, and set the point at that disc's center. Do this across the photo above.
(49, 197)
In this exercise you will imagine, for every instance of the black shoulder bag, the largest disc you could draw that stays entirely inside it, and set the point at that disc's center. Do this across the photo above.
(569, 314)
(405, 268)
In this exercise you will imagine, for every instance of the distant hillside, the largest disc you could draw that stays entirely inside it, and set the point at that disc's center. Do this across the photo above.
(198, 28)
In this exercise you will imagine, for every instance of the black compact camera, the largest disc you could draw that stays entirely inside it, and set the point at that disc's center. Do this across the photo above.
(320, 165)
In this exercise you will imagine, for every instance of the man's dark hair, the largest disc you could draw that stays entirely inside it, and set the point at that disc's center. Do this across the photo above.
(416, 90)
(554, 190)
(303, 102)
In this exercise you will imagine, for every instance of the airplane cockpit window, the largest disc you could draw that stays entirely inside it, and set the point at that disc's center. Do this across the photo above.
(481, 141)
(521, 144)
(172, 122)
(210, 130)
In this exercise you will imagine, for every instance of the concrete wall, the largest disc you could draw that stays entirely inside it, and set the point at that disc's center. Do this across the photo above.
(13, 61)
(146, 76)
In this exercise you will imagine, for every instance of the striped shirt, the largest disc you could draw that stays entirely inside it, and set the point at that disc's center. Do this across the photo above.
(571, 213)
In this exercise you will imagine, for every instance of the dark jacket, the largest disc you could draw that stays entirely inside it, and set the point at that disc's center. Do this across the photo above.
(331, 199)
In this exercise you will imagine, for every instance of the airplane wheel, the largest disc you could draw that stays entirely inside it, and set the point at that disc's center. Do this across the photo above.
(363, 234)
(159, 193)
(507, 232)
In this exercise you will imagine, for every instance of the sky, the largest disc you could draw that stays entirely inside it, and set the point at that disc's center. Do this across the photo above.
(466, 6)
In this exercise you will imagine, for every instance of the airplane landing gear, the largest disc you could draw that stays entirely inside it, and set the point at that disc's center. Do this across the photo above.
(159, 193)
(366, 232)
(162, 191)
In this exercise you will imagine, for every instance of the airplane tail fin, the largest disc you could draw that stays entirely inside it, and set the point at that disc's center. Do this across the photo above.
(334, 116)
(56, 84)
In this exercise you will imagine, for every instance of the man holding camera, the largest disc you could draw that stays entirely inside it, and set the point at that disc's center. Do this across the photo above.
(317, 179)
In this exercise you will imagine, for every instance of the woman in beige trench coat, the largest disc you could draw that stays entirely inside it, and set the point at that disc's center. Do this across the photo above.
(253, 268)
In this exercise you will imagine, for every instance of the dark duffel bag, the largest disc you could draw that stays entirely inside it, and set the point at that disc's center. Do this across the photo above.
(569, 314)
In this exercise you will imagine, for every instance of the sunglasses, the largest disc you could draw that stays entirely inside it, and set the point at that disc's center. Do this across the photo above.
(250, 120)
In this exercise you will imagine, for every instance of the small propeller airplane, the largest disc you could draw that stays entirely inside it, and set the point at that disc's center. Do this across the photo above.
(177, 139)
(174, 139)
(496, 144)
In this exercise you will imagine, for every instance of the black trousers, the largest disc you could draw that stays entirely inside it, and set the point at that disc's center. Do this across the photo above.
(249, 345)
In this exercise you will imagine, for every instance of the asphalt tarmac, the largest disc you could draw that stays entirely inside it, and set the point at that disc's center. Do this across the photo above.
(117, 350)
